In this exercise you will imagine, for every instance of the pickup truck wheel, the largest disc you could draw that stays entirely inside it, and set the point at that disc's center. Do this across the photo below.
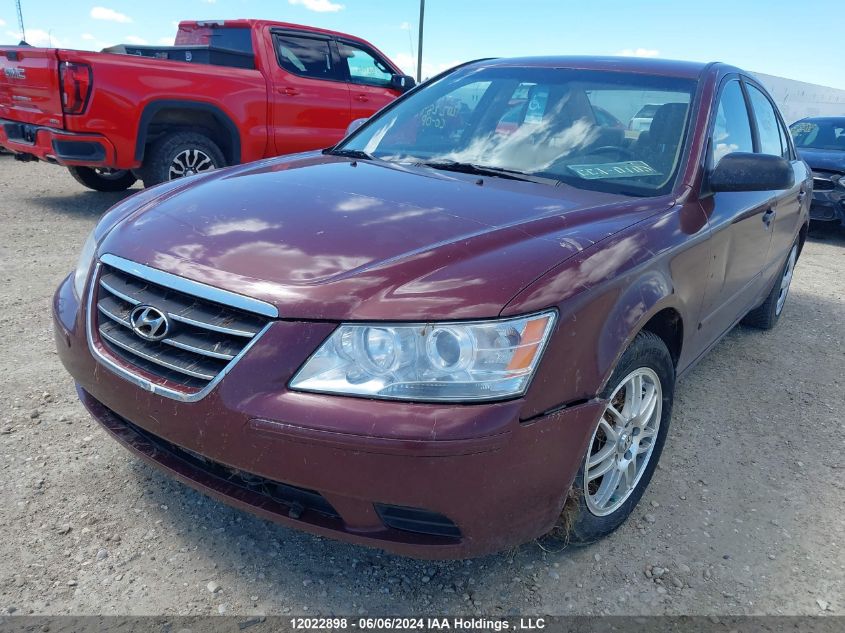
(766, 315)
(178, 155)
(626, 442)
(103, 179)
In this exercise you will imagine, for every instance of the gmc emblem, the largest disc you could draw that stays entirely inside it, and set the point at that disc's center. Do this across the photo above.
(14, 73)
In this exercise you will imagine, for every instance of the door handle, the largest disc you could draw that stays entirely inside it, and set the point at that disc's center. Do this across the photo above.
(289, 91)
(801, 195)
(362, 98)
(768, 217)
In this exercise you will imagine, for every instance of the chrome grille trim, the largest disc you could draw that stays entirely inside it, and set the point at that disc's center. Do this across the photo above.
(201, 376)
(190, 287)
(137, 352)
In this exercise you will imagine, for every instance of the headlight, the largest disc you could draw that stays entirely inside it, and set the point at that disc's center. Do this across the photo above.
(482, 360)
(83, 264)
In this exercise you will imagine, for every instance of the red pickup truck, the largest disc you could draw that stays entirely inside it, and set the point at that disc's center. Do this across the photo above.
(227, 92)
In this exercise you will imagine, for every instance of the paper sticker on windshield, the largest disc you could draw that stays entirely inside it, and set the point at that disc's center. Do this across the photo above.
(626, 169)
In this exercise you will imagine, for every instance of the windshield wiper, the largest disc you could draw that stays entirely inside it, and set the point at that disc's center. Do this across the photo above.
(349, 153)
(484, 170)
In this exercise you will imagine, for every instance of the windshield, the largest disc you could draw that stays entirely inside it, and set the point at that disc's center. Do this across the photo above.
(819, 134)
(565, 125)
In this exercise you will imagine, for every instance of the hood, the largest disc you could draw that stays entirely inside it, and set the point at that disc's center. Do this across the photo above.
(323, 237)
(823, 159)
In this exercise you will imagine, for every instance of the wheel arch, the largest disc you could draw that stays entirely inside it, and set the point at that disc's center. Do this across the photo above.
(649, 304)
(208, 118)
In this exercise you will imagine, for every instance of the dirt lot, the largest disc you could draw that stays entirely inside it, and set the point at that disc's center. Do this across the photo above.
(744, 516)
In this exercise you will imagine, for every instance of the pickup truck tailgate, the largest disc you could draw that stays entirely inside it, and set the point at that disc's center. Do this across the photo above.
(29, 86)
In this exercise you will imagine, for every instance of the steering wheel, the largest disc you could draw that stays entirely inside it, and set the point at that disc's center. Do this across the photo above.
(621, 152)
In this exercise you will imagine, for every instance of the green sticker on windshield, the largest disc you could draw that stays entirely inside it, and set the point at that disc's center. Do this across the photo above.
(626, 169)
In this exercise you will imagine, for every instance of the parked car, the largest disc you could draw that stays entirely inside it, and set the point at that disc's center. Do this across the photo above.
(433, 337)
(228, 92)
(821, 143)
(641, 121)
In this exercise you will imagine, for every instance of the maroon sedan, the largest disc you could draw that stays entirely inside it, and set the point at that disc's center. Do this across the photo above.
(436, 335)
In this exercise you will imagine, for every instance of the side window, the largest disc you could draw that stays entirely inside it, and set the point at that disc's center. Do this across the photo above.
(784, 142)
(767, 122)
(732, 132)
(305, 56)
(364, 68)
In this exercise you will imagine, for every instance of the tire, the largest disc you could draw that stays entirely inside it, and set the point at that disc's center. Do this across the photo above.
(767, 314)
(103, 179)
(584, 519)
(180, 154)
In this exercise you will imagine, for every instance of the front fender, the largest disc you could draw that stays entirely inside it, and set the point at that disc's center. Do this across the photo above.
(606, 294)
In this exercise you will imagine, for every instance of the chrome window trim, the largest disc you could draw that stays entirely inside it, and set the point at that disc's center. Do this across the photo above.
(147, 385)
(190, 287)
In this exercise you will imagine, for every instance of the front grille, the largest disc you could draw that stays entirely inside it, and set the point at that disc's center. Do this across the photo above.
(822, 181)
(203, 337)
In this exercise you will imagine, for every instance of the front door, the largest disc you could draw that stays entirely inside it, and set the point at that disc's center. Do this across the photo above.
(773, 139)
(741, 224)
(310, 96)
(369, 78)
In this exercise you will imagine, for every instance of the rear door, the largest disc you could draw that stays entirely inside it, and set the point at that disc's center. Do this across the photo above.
(369, 76)
(310, 97)
(740, 222)
(773, 139)
(29, 86)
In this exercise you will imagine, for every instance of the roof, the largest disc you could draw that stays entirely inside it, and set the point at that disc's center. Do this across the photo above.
(667, 67)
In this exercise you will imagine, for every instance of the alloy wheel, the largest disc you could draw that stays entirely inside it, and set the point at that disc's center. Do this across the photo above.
(786, 280)
(189, 162)
(623, 441)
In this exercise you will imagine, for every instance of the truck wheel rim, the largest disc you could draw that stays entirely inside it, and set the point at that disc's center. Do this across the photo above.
(189, 162)
(786, 280)
(623, 442)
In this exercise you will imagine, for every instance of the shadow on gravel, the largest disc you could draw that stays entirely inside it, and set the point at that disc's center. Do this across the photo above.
(83, 203)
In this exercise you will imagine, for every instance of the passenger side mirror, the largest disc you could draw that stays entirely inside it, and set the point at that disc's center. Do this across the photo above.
(354, 126)
(402, 83)
(741, 171)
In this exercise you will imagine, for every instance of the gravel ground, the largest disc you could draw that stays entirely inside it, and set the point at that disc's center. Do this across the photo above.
(743, 516)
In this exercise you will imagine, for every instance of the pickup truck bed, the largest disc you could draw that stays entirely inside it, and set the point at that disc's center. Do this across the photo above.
(112, 117)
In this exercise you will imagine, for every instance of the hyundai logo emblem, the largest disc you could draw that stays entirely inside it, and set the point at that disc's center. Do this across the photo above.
(149, 323)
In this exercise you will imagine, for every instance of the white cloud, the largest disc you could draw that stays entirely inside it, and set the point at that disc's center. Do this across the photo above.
(405, 26)
(408, 64)
(38, 37)
(639, 52)
(134, 39)
(109, 15)
(88, 37)
(165, 41)
(320, 6)
(210, 1)
(2, 22)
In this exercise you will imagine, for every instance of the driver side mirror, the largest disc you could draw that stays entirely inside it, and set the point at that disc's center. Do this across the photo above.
(402, 83)
(741, 171)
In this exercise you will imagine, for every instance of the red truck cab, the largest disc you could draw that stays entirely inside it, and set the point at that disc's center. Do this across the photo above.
(228, 92)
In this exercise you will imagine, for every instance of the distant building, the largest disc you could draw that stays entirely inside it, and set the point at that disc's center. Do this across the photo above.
(797, 99)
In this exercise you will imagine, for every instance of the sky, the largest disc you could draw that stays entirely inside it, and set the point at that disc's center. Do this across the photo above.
(775, 37)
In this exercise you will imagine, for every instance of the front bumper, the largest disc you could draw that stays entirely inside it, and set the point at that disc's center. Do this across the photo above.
(57, 146)
(499, 481)
(828, 204)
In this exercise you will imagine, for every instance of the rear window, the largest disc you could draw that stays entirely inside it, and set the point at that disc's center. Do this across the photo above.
(234, 39)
